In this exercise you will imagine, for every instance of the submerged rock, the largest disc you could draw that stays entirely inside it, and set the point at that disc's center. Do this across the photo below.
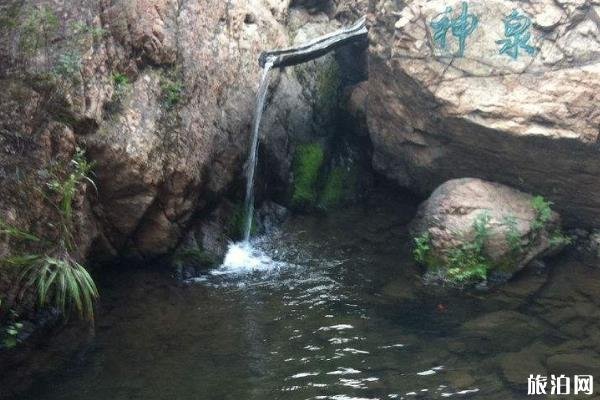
(528, 119)
(469, 228)
(501, 330)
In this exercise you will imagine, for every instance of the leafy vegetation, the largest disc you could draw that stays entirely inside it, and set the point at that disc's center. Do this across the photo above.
(467, 263)
(333, 192)
(121, 85)
(307, 165)
(171, 92)
(10, 338)
(82, 29)
(543, 212)
(67, 65)
(50, 270)
(422, 248)
(39, 28)
(559, 239)
(513, 237)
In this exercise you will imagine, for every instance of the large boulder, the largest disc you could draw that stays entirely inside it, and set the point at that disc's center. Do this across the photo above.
(525, 116)
(470, 228)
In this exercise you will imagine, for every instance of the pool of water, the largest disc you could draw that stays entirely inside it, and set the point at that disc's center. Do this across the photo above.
(339, 314)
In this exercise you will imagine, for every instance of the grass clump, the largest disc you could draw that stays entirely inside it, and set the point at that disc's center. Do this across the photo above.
(49, 269)
(171, 93)
(543, 212)
(307, 165)
(39, 28)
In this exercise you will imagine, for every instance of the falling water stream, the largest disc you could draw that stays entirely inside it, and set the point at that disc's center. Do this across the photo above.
(242, 256)
(261, 97)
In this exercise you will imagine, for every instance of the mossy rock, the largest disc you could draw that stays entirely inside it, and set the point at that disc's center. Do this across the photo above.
(470, 231)
(237, 223)
(340, 187)
(193, 257)
(308, 162)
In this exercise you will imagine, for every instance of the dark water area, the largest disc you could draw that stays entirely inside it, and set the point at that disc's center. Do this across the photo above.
(342, 314)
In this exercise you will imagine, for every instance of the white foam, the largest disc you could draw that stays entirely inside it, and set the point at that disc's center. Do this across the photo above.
(242, 258)
(339, 327)
(304, 374)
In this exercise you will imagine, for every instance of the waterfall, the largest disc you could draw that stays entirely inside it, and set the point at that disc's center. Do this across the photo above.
(261, 97)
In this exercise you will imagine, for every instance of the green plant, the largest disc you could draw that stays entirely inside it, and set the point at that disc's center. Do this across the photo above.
(513, 237)
(62, 282)
(121, 84)
(38, 30)
(50, 270)
(67, 65)
(11, 332)
(481, 228)
(307, 164)
(171, 92)
(80, 28)
(559, 239)
(543, 212)
(66, 189)
(16, 233)
(465, 263)
(422, 248)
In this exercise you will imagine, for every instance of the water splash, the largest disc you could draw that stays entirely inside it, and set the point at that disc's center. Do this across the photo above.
(252, 156)
(242, 258)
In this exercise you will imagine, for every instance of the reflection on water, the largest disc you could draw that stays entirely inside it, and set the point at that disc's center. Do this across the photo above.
(333, 310)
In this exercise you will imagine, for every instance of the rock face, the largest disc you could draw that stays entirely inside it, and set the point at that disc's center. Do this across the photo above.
(524, 115)
(160, 94)
(511, 226)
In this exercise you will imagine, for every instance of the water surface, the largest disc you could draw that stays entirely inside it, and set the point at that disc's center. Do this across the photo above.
(340, 315)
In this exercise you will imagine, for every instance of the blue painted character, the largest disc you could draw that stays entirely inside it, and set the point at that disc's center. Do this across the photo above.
(462, 26)
(441, 25)
(516, 29)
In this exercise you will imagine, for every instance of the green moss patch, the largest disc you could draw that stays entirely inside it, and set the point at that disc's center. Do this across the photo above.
(340, 186)
(307, 165)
